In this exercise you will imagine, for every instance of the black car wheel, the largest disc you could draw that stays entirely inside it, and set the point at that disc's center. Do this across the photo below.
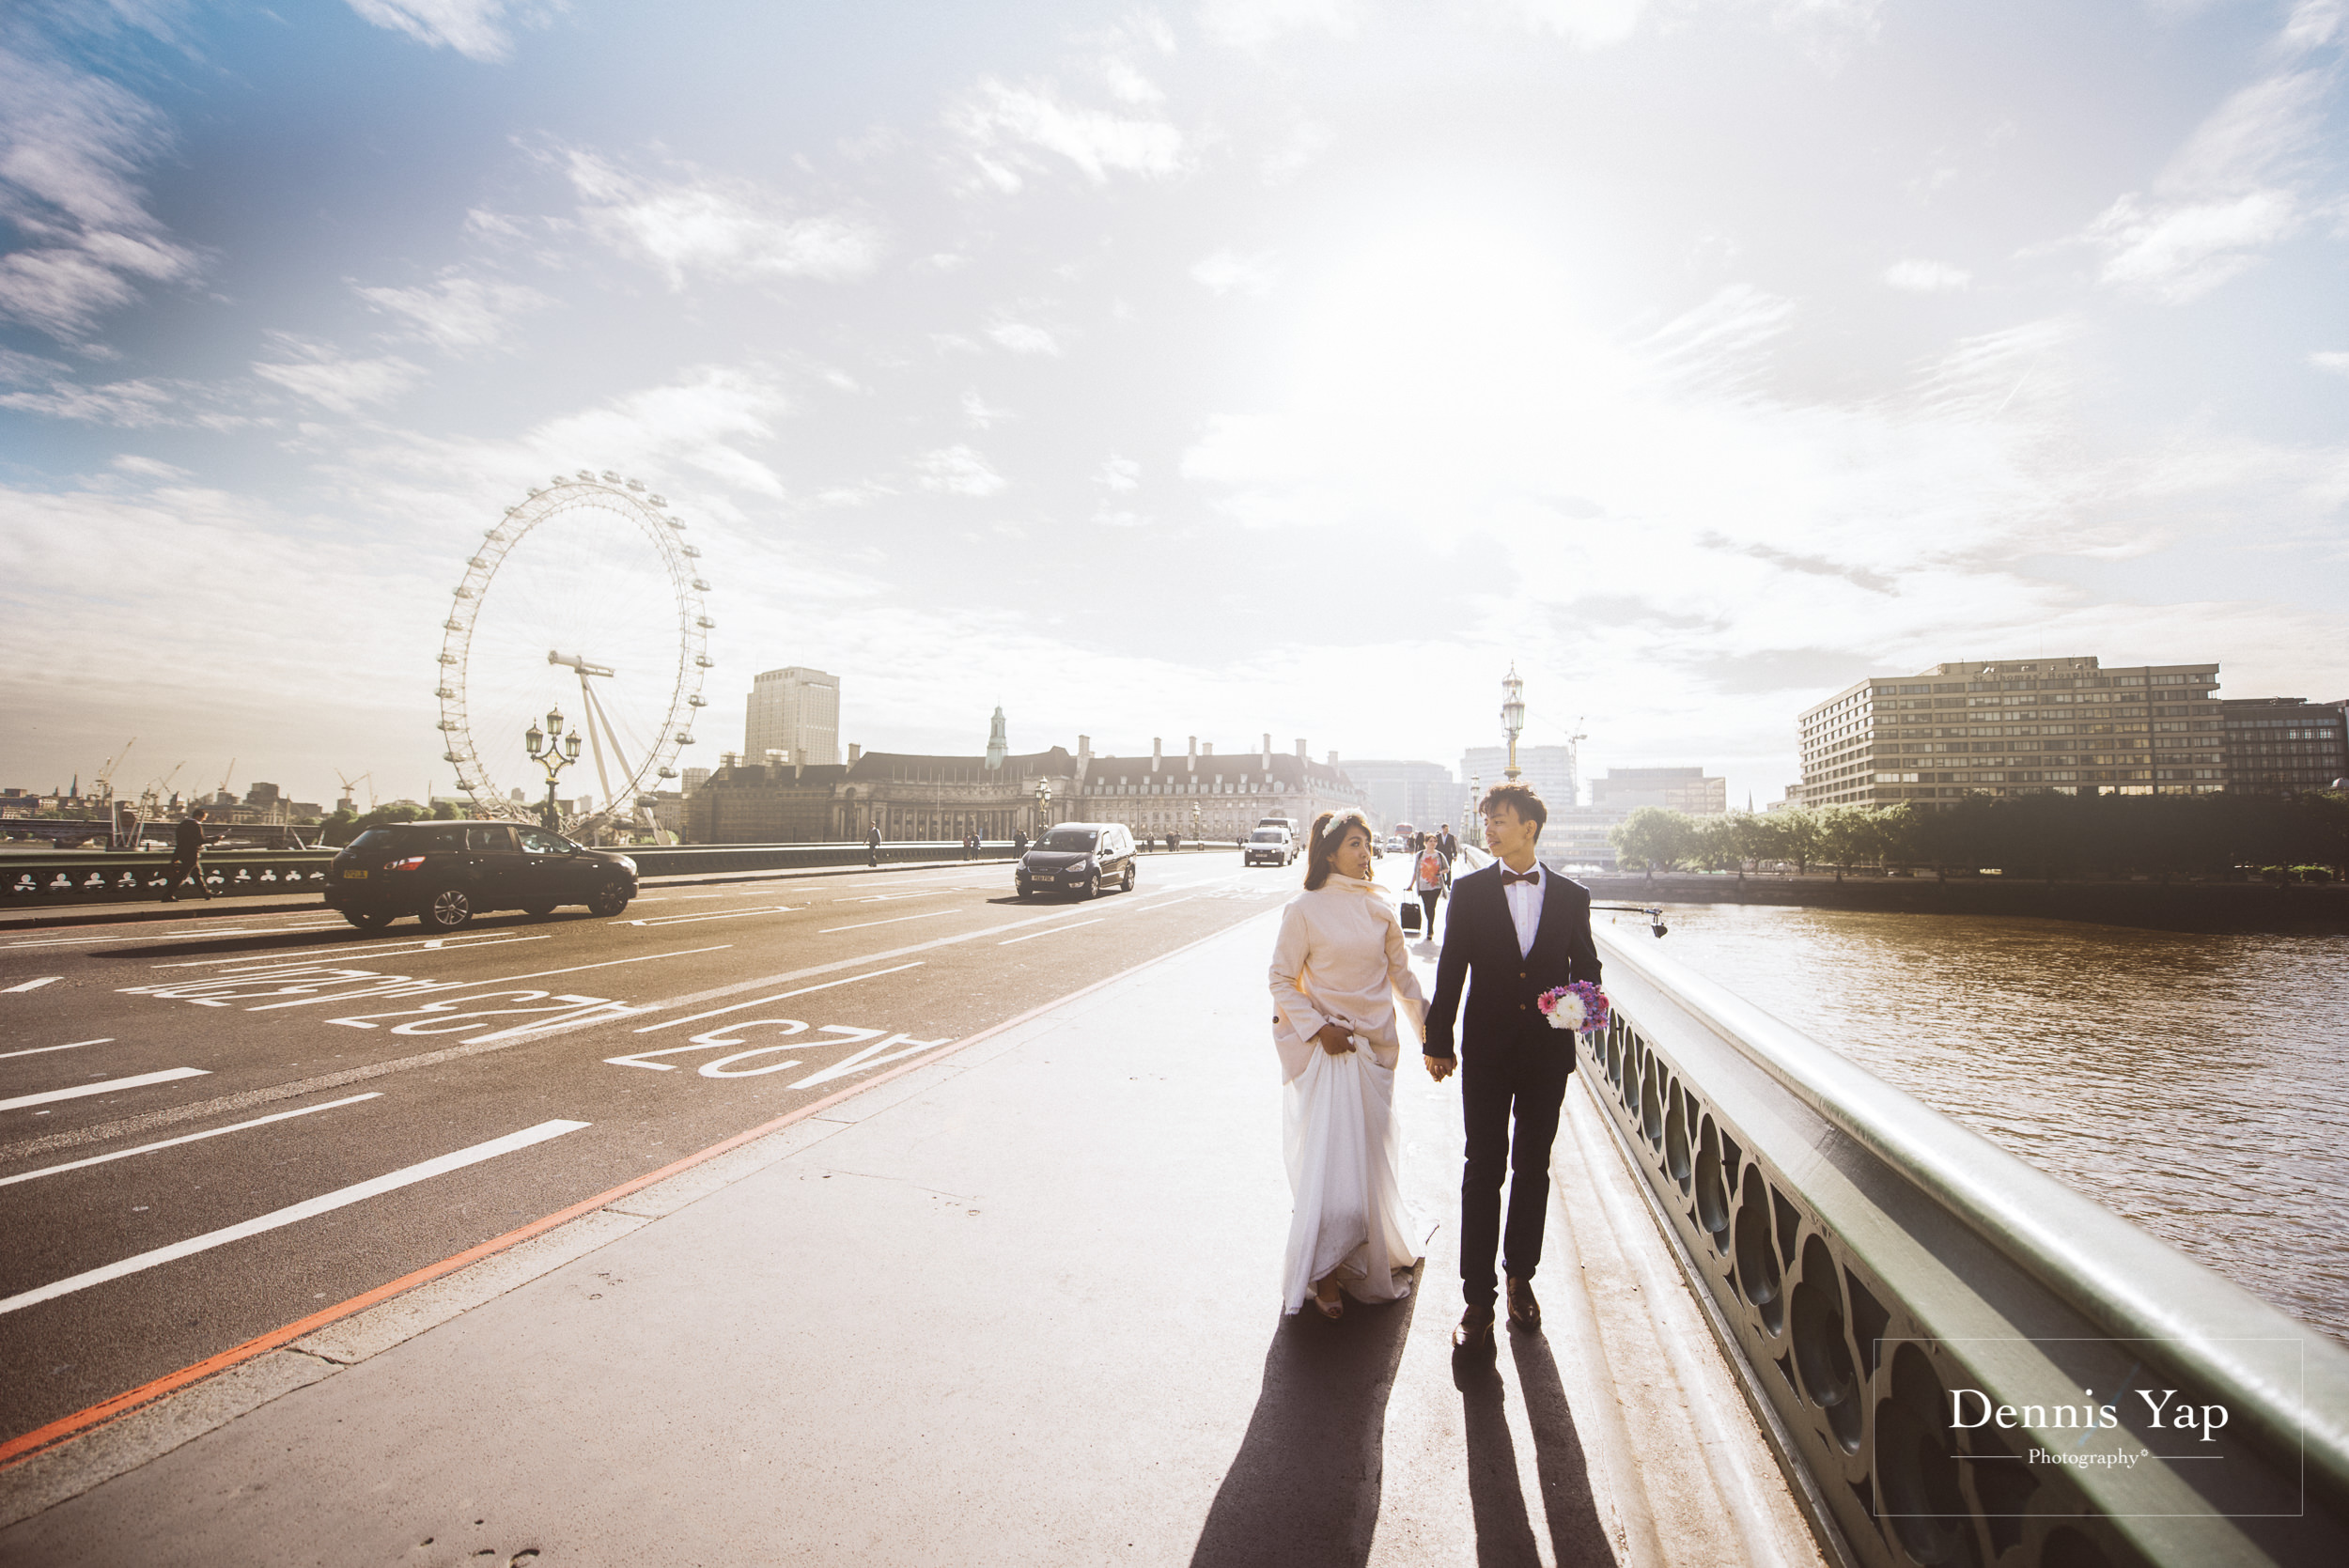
(1093, 886)
(610, 900)
(1128, 885)
(537, 912)
(451, 909)
(368, 920)
(1023, 890)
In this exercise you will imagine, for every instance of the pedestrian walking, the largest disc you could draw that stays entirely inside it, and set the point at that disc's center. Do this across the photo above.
(970, 846)
(1447, 845)
(1430, 876)
(187, 856)
(872, 846)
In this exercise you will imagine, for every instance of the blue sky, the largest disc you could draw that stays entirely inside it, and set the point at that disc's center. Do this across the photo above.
(1288, 367)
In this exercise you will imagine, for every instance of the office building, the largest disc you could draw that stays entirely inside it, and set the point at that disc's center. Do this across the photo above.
(2281, 745)
(2014, 727)
(1624, 790)
(793, 713)
(694, 778)
(1551, 770)
(1424, 794)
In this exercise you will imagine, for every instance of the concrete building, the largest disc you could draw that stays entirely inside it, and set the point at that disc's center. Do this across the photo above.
(2014, 727)
(2281, 745)
(926, 798)
(1423, 794)
(1624, 790)
(1551, 770)
(694, 778)
(795, 711)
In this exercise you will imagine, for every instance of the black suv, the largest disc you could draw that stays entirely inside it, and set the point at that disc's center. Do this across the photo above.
(445, 873)
(1081, 858)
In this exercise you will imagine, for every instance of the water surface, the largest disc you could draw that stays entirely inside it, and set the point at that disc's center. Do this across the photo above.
(2195, 1084)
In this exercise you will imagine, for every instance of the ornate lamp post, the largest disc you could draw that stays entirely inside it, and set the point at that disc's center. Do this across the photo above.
(553, 751)
(1513, 717)
(1043, 805)
(1472, 819)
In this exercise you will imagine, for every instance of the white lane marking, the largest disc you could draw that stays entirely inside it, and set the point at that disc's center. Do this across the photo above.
(293, 1213)
(1054, 932)
(897, 921)
(779, 995)
(709, 914)
(103, 1040)
(105, 1086)
(217, 931)
(186, 1138)
(356, 950)
(33, 985)
(608, 963)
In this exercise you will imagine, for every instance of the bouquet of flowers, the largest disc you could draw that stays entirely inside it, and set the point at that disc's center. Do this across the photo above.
(1578, 1006)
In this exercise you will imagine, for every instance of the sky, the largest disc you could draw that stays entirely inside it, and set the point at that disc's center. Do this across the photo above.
(1293, 367)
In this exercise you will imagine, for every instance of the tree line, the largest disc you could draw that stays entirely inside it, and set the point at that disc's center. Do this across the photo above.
(2050, 836)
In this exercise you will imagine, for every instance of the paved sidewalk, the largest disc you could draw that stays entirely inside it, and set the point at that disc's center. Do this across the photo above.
(1019, 1306)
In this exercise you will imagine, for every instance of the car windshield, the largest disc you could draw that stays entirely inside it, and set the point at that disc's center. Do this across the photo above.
(374, 838)
(1270, 835)
(1068, 839)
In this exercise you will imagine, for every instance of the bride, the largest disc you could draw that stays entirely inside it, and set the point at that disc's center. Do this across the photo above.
(1337, 969)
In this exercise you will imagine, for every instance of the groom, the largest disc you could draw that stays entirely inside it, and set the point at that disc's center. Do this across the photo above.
(1520, 929)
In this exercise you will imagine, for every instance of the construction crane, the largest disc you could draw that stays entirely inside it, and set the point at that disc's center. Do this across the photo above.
(151, 799)
(227, 773)
(106, 775)
(351, 787)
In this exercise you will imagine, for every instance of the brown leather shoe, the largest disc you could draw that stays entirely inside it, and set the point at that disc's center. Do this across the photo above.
(1475, 1330)
(1524, 1312)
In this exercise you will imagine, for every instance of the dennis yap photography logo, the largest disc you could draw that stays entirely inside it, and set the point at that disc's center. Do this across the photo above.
(1971, 1407)
(2114, 1418)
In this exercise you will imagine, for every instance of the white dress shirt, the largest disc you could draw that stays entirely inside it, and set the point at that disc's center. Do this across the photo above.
(1525, 905)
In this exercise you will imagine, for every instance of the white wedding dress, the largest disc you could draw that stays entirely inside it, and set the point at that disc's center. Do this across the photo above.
(1340, 958)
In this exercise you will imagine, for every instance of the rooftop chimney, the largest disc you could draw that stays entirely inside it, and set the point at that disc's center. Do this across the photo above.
(1194, 753)
(1158, 752)
(855, 752)
(1084, 746)
(1300, 750)
(1333, 759)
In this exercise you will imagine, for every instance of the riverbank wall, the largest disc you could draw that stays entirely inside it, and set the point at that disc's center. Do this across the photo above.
(2179, 906)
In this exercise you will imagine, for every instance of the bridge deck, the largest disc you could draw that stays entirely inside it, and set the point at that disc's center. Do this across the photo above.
(1015, 1307)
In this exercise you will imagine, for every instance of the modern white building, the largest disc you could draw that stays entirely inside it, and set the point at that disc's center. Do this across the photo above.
(1424, 794)
(795, 713)
(1551, 770)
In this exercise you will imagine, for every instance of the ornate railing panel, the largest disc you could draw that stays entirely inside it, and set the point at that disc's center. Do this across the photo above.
(1865, 1259)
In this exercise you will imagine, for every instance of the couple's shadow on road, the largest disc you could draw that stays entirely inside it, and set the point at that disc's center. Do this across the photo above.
(1304, 1489)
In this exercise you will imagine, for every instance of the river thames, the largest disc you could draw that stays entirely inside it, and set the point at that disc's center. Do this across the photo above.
(2193, 1082)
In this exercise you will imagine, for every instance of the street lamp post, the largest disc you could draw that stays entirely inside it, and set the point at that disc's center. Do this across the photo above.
(1472, 819)
(1512, 717)
(553, 751)
(1043, 805)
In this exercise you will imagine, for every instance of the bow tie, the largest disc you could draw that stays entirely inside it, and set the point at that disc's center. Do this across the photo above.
(1509, 876)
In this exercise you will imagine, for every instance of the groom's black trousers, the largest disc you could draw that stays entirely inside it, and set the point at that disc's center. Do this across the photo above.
(1524, 1080)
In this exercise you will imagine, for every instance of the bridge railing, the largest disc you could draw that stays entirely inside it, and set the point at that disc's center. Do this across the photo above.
(1889, 1284)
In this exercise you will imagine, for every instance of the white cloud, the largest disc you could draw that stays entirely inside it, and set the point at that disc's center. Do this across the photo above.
(1120, 475)
(1592, 24)
(1022, 337)
(1227, 272)
(1252, 25)
(2333, 360)
(956, 470)
(149, 468)
(146, 402)
(70, 146)
(2234, 190)
(717, 225)
(326, 378)
(1000, 122)
(459, 314)
(471, 27)
(1598, 23)
(980, 412)
(1913, 276)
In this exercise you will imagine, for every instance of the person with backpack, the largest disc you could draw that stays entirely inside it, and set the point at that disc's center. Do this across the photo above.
(1430, 876)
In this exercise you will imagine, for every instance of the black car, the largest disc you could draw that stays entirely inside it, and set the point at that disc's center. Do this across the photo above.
(1081, 858)
(445, 873)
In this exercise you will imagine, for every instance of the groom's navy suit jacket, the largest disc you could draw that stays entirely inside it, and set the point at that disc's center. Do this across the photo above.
(1481, 939)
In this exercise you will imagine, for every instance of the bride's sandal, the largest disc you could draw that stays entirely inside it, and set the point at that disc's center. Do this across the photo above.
(1332, 1306)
